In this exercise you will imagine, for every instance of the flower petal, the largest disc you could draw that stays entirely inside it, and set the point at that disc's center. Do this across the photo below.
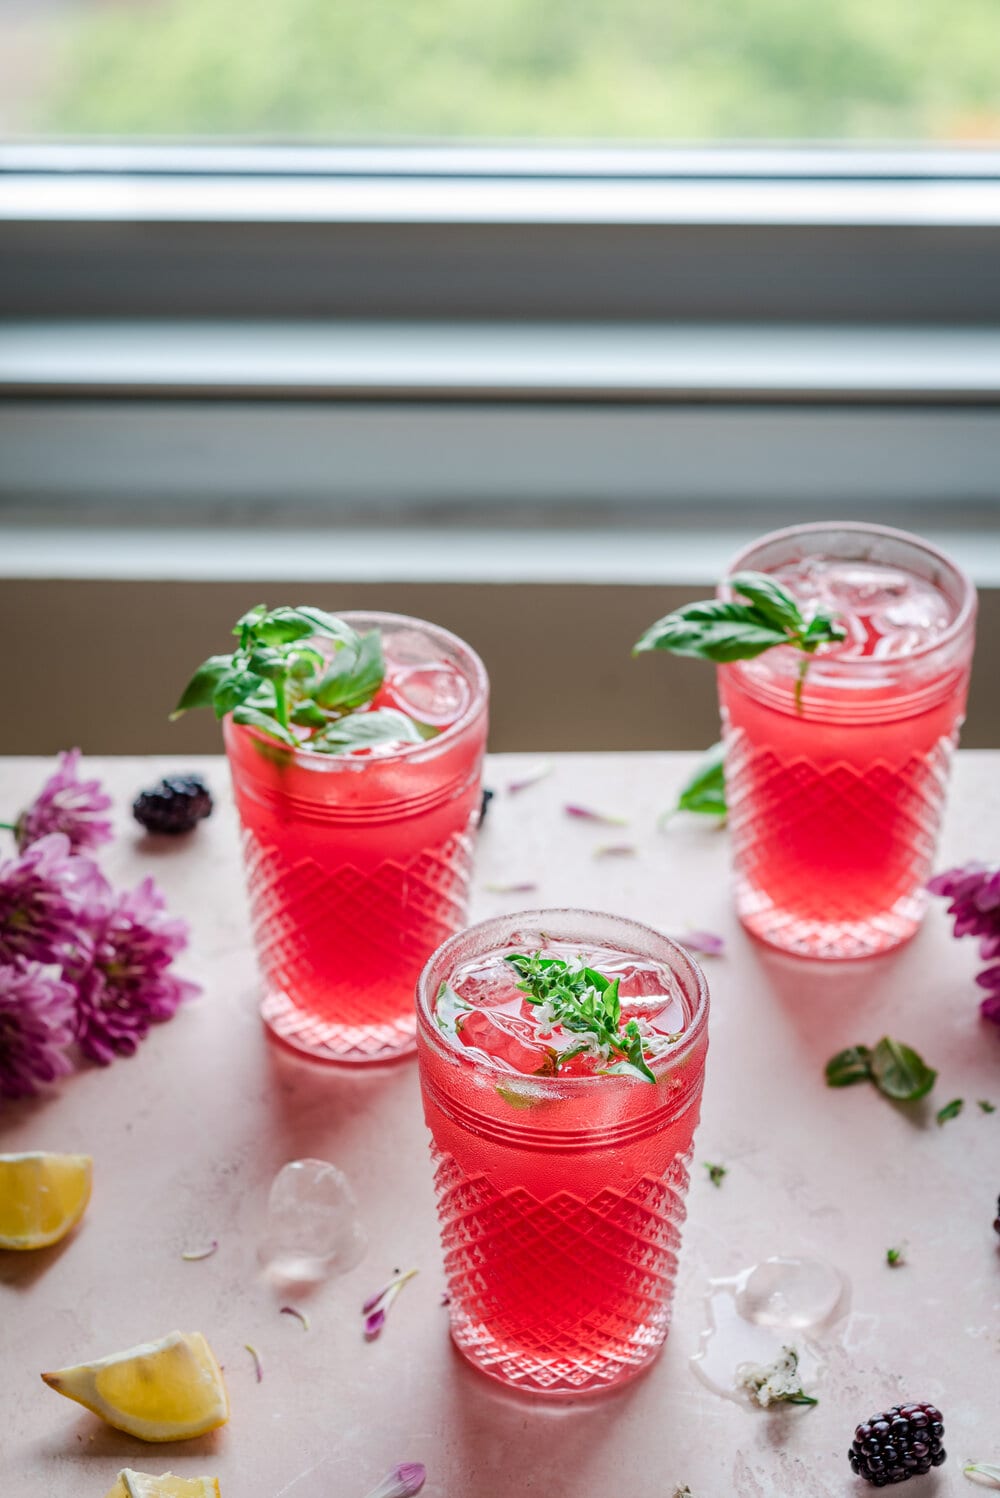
(530, 776)
(591, 814)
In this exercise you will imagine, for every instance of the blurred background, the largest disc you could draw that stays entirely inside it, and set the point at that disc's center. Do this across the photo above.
(523, 318)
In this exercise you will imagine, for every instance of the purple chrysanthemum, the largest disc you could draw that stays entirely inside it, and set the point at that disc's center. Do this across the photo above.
(69, 805)
(974, 892)
(126, 986)
(36, 1026)
(45, 896)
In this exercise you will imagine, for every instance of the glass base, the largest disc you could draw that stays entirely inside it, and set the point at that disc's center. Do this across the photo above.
(330, 1040)
(830, 941)
(555, 1378)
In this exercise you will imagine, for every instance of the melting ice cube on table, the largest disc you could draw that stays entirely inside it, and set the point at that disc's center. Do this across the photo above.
(312, 1228)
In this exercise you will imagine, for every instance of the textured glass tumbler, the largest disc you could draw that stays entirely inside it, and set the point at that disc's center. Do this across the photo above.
(358, 868)
(561, 1216)
(836, 794)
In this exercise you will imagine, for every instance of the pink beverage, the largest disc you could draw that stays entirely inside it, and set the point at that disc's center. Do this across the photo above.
(358, 863)
(836, 791)
(560, 1186)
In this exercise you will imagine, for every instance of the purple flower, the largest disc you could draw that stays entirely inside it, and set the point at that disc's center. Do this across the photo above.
(36, 1026)
(69, 805)
(403, 1481)
(974, 892)
(125, 986)
(45, 897)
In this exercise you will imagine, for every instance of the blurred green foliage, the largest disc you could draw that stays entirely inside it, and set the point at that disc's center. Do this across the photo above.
(569, 69)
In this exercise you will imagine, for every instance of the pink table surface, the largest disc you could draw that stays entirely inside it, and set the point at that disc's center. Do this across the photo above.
(187, 1136)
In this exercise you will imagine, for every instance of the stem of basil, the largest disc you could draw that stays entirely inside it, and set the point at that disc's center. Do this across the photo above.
(280, 701)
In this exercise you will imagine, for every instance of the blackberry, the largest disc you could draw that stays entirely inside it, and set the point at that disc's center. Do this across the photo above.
(900, 1443)
(176, 805)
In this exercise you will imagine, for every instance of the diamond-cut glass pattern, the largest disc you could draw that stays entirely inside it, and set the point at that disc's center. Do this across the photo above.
(832, 861)
(341, 949)
(563, 1294)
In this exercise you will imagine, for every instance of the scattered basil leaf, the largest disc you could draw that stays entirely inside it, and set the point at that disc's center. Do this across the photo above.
(950, 1110)
(849, 1067)
(894, 1258)
(716, 1173)
(899, 1072)
(985, 1106)
(705, 792)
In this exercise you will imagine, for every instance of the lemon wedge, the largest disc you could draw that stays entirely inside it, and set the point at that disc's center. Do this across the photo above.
(142, 1485)
(42, 1196)
(162, 1391)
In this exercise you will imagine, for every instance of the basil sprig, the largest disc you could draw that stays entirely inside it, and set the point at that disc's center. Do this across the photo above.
(279, 679)
(585, 1002)
(896, 1070)
(722, 630)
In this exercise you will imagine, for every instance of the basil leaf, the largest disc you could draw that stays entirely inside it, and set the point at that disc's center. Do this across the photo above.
(705, 792)
(848, 1067)
(201, 688)
(268, 663)
(354, 674)
(233, 688)
(247, 623)
(252, 717)
(322, 623)
(714, 630)
(772, 601)
(899, 1072)
(283, 627)
(381, 727)
(950, 1110)
(308, 715)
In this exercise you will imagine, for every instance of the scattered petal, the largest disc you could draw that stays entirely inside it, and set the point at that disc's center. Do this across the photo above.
(716, 1173)
(591, 814)
(511, 889)
(615, 850)
(299, 1315)
(258, 1366)
(531, 776)
(402, 1482)
(446, 1299)
(985, 1473)
(706, 943)
(194, 1254)
(376, 1307)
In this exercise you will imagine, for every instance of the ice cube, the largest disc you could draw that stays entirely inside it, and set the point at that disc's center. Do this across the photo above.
(856, 586)
(486, 985)
(790, 1292)
(313, 1228)
(435, 694)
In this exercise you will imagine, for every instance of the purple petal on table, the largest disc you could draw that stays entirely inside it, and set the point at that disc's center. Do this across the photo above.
(299, 1315)
(704, 942)
(531, 776)
(194, 1254)
(510, 889)
(374, 1324)
(258, 1366)
(591, 814)
(989, 978)
(403, 1481)
(615, 850)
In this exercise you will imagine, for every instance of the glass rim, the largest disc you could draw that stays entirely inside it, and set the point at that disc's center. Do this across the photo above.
(477, 677)
(682, 964)
(967, 589)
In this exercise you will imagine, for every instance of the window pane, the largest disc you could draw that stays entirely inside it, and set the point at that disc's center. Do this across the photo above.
(352, 70)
